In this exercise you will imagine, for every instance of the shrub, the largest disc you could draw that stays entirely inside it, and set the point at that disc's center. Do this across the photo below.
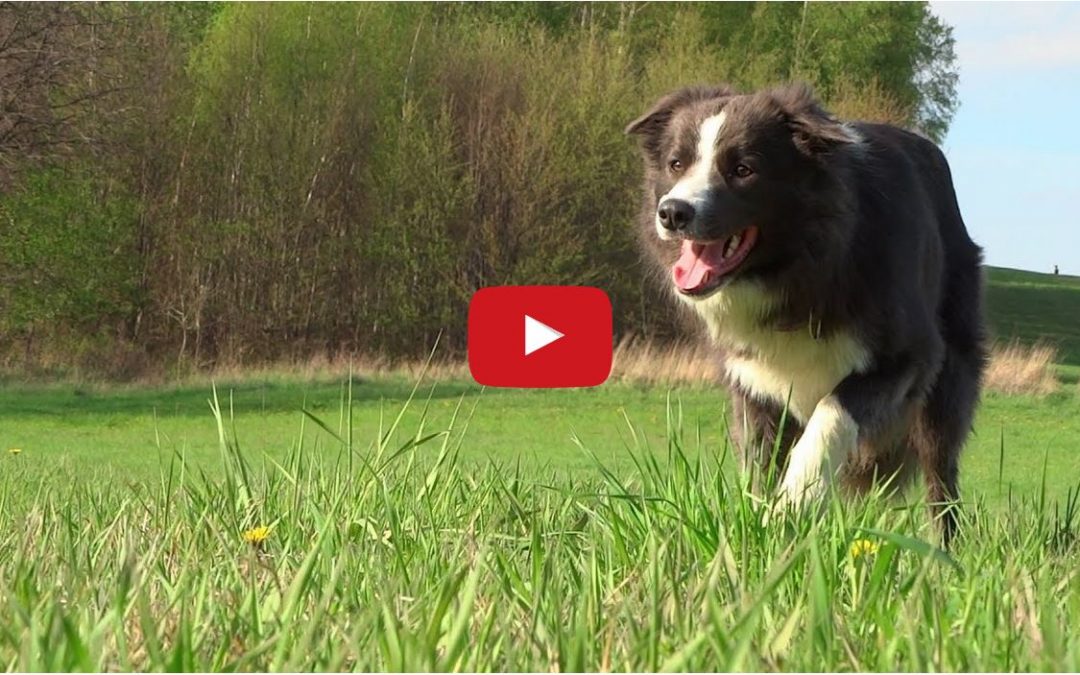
(68, 258)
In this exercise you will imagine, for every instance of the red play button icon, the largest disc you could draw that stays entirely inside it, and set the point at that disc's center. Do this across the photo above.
(540, 336)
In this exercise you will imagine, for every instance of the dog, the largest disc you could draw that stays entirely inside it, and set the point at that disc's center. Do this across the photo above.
(831, 268)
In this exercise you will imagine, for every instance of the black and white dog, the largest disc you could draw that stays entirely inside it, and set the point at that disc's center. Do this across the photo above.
(831, 267)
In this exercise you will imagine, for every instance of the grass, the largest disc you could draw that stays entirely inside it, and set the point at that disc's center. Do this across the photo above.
(125, 434)
(508, 531)
(1034, 307)
(1023, 369)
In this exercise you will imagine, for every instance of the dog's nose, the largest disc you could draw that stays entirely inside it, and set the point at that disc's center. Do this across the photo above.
(675, 214)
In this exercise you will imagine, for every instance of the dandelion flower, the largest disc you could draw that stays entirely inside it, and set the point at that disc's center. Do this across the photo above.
(861, 547)
(14, 451)
(256, 535)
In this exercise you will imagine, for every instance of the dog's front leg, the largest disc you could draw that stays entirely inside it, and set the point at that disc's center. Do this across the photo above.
(858, 407)
(830, 437)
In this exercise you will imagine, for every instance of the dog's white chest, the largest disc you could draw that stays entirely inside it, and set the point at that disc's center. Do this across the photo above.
(773, 364)
(777, 365)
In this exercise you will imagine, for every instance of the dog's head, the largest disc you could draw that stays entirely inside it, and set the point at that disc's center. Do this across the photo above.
(734, 180)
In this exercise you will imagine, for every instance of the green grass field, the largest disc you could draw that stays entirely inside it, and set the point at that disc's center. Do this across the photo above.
(511, 530)
(600, 529)
(127, 434)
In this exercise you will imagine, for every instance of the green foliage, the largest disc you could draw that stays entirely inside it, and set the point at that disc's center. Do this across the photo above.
(341, 177)
(68, 258)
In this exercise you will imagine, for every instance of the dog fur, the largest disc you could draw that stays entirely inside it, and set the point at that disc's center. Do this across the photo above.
(855, 297)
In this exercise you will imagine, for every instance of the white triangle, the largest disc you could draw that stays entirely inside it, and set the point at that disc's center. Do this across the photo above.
(538, 335)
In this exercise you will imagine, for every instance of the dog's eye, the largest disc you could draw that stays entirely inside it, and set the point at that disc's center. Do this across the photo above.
(675, 166)
(743, 171)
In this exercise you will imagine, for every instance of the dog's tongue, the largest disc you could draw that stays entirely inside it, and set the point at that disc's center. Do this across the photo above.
(698, 264)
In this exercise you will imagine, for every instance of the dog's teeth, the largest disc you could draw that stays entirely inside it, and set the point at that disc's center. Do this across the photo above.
(732, 244)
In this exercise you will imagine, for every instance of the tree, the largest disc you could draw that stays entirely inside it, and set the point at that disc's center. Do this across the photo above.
(48, 54)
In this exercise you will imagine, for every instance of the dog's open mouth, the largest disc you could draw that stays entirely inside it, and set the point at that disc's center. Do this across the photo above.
(703, 266)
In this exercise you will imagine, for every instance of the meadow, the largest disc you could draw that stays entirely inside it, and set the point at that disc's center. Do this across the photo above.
(187, 194)
(375, 520)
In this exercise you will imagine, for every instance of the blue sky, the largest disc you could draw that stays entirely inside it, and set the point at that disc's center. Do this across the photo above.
(1014, 145)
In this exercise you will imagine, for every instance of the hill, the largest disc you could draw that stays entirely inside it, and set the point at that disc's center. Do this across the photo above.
(1031, 306)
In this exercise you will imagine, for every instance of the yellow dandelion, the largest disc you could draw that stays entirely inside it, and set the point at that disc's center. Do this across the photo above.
(256, 535)
(14, 451)
(861, 547)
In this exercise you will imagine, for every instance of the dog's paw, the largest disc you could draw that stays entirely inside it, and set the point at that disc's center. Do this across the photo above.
(796, 492)
(782, 505)
(794, 499)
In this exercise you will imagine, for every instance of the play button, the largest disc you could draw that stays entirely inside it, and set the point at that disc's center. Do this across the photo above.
(538, 335)
(505, 351)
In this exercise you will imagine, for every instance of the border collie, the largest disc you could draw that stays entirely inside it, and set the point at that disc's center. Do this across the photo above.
(830, 265)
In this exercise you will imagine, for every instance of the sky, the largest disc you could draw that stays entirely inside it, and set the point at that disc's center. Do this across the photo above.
(1014, 145)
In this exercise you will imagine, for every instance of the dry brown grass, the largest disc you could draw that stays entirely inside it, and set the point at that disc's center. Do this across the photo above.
(341, 366)
(646, 362)
(633, 361)
(1014, 368)
(1022, 369)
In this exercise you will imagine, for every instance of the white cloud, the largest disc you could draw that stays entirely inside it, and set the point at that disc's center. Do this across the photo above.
(1013, 35)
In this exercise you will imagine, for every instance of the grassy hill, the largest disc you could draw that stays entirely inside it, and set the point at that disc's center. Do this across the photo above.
(1030, 306)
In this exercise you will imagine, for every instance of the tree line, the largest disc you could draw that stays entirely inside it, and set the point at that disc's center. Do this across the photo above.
(190, 184)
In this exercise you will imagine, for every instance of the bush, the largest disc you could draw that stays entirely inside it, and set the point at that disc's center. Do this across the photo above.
(69, 260)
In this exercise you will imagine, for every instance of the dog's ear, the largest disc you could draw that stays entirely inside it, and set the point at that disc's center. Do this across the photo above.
(650, 126)
(813, 128)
